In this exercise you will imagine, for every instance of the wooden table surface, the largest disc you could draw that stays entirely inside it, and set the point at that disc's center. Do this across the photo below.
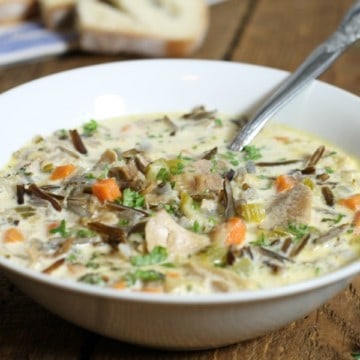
(275, 33)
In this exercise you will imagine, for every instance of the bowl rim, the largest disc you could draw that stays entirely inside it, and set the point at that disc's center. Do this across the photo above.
(344, 273)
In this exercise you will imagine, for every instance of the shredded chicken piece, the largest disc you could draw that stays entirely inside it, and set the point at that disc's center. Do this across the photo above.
(162, 230)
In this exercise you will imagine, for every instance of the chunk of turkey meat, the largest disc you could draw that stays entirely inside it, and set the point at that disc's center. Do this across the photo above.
(292, 206)
(162, 230)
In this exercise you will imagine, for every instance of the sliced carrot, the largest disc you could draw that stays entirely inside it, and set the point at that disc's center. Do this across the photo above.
(356, 223)
(63, 171)
(284, 183)
(13, 235)
(282, 139)
(119, 285)
(106, 189)
(173, 274)
(352, 202)
(236, 231)
(53, 225)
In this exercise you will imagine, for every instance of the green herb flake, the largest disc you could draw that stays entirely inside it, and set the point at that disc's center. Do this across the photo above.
(170, 208)
(90, 176)
(123, 222)
(196, 227)
(156, 256)
(163, 175)
(298, 230)
(214, 165)
(252, 152)
(144, 276)
(92, 265)
(90, 127)
(61, 230)
(218, 122)
(260, 241)
(133, 198)
(178, 169)
(72, 258)
(85, 233)
(92, 278)
(329, 170)
(335, 220)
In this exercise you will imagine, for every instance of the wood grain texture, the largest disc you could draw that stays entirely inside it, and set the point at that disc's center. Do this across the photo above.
(282, 33)
(277, 33)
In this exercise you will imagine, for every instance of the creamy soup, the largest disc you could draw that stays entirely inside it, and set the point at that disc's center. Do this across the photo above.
(158, 203)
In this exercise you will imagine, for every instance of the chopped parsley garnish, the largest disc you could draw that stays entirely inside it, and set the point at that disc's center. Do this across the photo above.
(177, 169)
(90, 127)
(329, 170)
(196, 226)
(218, 122)
(61, 230)
(163, 175)
(170, 208)
(252, 152)
(92, 264)
(156, 256)
(133, 198)
(90, 176)
(260, 241)
(143, 275)
(123, 222)
(85, 233)
(214, 165)
(72, 258)
(92, 278)
(298, 230)
(105, 173)
(183, 157)
(335, 220)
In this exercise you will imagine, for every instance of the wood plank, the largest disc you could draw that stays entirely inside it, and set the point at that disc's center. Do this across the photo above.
(28, 331)
(226, 20)
(281, 34)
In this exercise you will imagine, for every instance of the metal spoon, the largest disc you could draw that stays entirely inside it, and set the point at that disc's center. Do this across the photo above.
(314, 65)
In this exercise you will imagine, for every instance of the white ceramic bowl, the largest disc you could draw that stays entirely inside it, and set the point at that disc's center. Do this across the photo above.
(168, 321)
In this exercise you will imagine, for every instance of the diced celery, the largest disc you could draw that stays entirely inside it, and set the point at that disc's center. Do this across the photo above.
(155, 168)
(253, 212)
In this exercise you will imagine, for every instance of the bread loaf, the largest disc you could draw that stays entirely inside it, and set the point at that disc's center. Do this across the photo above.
(57, 14)
(14, 10)
(173, 28)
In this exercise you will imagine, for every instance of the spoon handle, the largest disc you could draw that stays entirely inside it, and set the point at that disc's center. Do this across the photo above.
(314, 65)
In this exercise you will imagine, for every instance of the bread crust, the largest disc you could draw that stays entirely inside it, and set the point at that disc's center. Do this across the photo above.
(58, 17)
(109, 42)
(102, 39)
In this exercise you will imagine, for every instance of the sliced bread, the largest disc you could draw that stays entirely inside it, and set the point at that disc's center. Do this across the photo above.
(173, 28)
(14, 10)
(57, 14)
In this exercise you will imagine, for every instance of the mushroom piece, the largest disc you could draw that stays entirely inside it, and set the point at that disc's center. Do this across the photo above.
(293, 205)
(198, 179)
(162, 230)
